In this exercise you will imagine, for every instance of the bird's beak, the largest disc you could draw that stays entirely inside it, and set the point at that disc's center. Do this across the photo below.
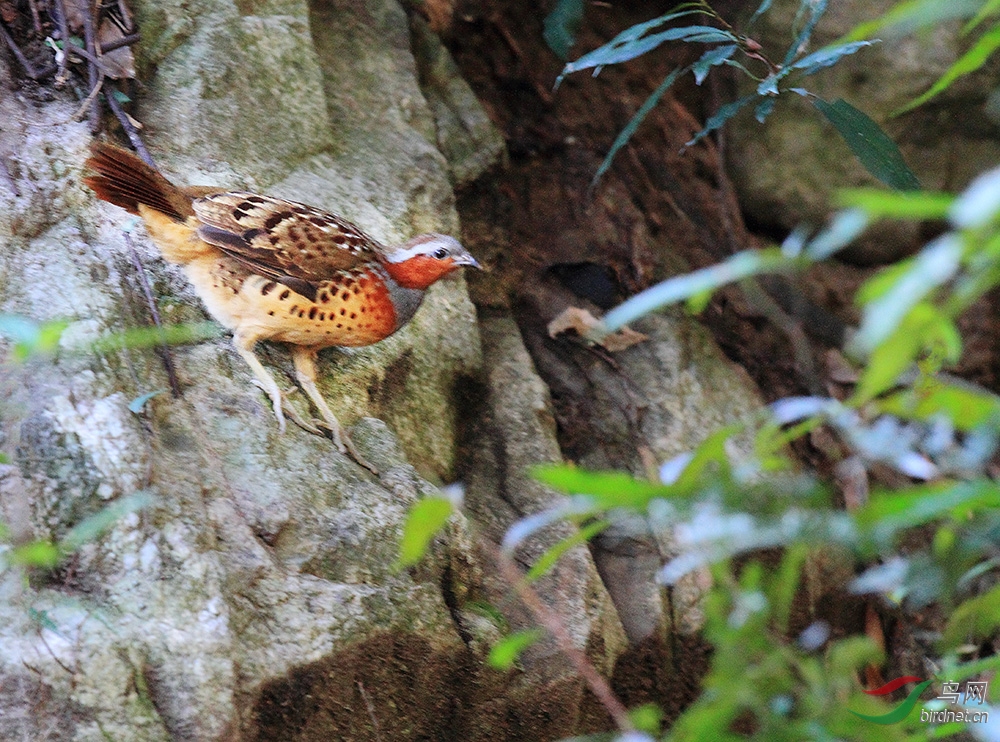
(468, 260)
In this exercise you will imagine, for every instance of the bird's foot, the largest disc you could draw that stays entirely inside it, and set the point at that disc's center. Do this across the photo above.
(277, 400)
(345, 445)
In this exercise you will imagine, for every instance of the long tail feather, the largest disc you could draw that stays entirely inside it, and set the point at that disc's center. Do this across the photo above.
(126, 181)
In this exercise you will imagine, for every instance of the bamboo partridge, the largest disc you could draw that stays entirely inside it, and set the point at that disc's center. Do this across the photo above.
(270, 269)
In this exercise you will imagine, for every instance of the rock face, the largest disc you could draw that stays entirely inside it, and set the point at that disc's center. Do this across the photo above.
(253, 597)
(785, 180)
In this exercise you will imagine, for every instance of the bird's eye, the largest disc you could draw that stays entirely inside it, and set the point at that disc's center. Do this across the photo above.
(440, 254)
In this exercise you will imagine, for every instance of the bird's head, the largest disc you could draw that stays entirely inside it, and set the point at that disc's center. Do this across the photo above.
(421, 261)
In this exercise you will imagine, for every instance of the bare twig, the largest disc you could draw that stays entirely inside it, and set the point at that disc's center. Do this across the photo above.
(164, 349)
(29, 68)
(554, 625)
(64, 33)
(91, 96)
(53, 654)
(93, 72)
(35, 18)
(129, 127)
(119, 43)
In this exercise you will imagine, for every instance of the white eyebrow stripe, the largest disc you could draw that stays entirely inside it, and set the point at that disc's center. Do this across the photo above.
(423, 245)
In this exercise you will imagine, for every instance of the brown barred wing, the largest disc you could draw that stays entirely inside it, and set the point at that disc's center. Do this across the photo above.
(289, 242)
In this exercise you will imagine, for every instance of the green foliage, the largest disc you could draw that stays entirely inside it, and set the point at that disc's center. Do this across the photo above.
(910, 16)
(561, 26)
(939, 432)
(28, 337)
(46, 555)
(423, 522)
(505, 653)
(873, 148)
(136, 405)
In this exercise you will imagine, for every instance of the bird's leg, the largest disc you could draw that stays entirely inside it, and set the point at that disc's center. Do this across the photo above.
(244, 346)
(305, 372)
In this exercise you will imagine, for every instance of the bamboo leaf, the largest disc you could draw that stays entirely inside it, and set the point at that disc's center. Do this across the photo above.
(971, 61)
(505, 652)
(720, 117)
(828, 56)
(561, 26)
(712, 58)
(625, 134)
(426, 518)
(872, 146)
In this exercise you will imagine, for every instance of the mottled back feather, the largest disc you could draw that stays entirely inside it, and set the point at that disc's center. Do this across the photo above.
(283, 238)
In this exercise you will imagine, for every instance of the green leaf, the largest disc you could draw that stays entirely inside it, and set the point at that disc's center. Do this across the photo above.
(906, 17)
(89, 529)
(894, 354)
(30, 337)
(720, 117)
(872, 146)
(711, 58)
(42, 620)
(625, 134)
(990, 7)
(785, 586)
(971, 61)
(882, 282)
(888, 513)
(136, 405)
(736, 268)
(764, 108)
(711, 450)
(761, 9)
(545, 562)
(816, 10)
(932, 267)
(897, 204)
(610, 489)
(979, 204)
(843, 229)
(505, 652)
(633, 42)
(426, 518)
(965, 407)
(152, 337)
(647, 718)
(36, 554)
(562, 25)
(828, 56)
(696, 303)
(975, 619)
(769, 85)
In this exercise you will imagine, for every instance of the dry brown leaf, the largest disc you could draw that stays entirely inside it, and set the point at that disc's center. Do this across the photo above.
(8, 11)
(439, 14)
(117, 63)
(624, 338)
(581, 321)
(572, 318)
